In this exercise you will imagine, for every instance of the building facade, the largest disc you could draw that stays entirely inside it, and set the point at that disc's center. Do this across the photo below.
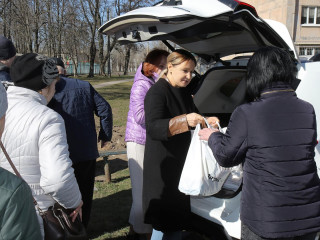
(302, 18)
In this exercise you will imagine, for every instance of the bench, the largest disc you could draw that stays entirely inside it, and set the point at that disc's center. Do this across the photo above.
(105, 156)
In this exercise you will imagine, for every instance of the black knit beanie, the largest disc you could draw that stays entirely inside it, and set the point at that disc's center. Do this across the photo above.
(58, 61)
(33, 71)
(7, 50)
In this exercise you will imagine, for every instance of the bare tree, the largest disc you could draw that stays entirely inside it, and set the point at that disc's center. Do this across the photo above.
(57, 28)
(37, 13)
(24, 23)
(60, 24)
(103, 58)
(5, 15)
(75, 39)
(90, 10)
(49, 29)
(22, 17)
(56, 19)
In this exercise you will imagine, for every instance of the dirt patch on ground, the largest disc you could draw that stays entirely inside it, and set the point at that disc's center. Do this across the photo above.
(117, 142)
(116, 162)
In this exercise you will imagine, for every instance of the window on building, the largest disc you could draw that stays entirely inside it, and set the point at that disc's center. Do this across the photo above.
(308, 51)
(310, 15)
(301, 51)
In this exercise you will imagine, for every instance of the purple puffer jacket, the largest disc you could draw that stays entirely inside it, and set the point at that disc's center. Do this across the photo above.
(136, 128)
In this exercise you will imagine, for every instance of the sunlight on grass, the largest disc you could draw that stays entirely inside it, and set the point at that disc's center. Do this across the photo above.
(120, 234)
(111, 207)
(101, 79)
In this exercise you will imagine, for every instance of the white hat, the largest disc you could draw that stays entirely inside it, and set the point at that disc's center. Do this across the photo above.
(3, 101)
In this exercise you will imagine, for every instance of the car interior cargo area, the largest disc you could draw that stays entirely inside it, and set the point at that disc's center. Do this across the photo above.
(222, 90)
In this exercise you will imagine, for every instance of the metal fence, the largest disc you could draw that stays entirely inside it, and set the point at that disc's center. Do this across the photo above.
(83, 68)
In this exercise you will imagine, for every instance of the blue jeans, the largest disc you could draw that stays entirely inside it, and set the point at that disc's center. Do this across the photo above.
(157, 235)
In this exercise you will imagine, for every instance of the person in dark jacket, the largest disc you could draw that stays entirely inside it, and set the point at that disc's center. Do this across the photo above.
(7, 55)
(146, 75)
(274, 136)
(169, 115)
(77, 102)
(18, 218)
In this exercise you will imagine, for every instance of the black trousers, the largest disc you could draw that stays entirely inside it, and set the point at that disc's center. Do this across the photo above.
(247, 234)
(85, 174)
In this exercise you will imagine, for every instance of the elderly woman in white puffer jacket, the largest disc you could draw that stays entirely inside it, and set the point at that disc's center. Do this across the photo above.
(35, 136)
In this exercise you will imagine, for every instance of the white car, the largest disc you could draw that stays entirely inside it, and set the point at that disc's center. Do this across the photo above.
(213, 29)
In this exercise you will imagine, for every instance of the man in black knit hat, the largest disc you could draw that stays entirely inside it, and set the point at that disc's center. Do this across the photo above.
(7, 55)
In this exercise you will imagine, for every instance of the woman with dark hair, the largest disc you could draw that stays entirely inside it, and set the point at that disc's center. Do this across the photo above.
(146, 75)
(268, 67)
(274, 137)
(170, 113)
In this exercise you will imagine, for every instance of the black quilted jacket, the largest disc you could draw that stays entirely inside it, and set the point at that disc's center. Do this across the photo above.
(274, 137)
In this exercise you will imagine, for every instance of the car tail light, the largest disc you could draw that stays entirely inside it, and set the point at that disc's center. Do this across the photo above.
(237, 5)
(243, 5)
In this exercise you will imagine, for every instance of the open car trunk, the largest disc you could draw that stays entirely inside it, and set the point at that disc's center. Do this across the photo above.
(208, 28)
(211, 29)
(222, 90)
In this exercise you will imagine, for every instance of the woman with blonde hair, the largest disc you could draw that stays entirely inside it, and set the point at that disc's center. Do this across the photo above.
(170, 114)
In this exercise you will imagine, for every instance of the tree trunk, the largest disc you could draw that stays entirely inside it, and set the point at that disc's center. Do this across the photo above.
(101, 43)
(93, 51)
(30, 45)
(126, 60)
(108, 55)
(94, 11)
(75, 66)
(36, 28)
(60, 22)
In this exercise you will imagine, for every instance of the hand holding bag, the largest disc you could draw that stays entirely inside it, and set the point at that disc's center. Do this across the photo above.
(57, 222)
(201, 174)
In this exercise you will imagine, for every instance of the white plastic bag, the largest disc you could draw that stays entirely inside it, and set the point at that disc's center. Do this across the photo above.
(201, 174)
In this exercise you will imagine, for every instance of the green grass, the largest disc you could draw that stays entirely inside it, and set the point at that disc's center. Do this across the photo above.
(118, 96)
(101, 79)
(111, 207)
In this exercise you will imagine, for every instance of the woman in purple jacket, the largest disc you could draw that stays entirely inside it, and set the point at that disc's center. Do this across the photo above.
(145, 77)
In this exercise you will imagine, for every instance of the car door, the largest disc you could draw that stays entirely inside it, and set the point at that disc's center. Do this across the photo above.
(308, 90)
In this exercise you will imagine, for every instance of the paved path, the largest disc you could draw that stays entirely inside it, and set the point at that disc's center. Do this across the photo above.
(100, 85)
